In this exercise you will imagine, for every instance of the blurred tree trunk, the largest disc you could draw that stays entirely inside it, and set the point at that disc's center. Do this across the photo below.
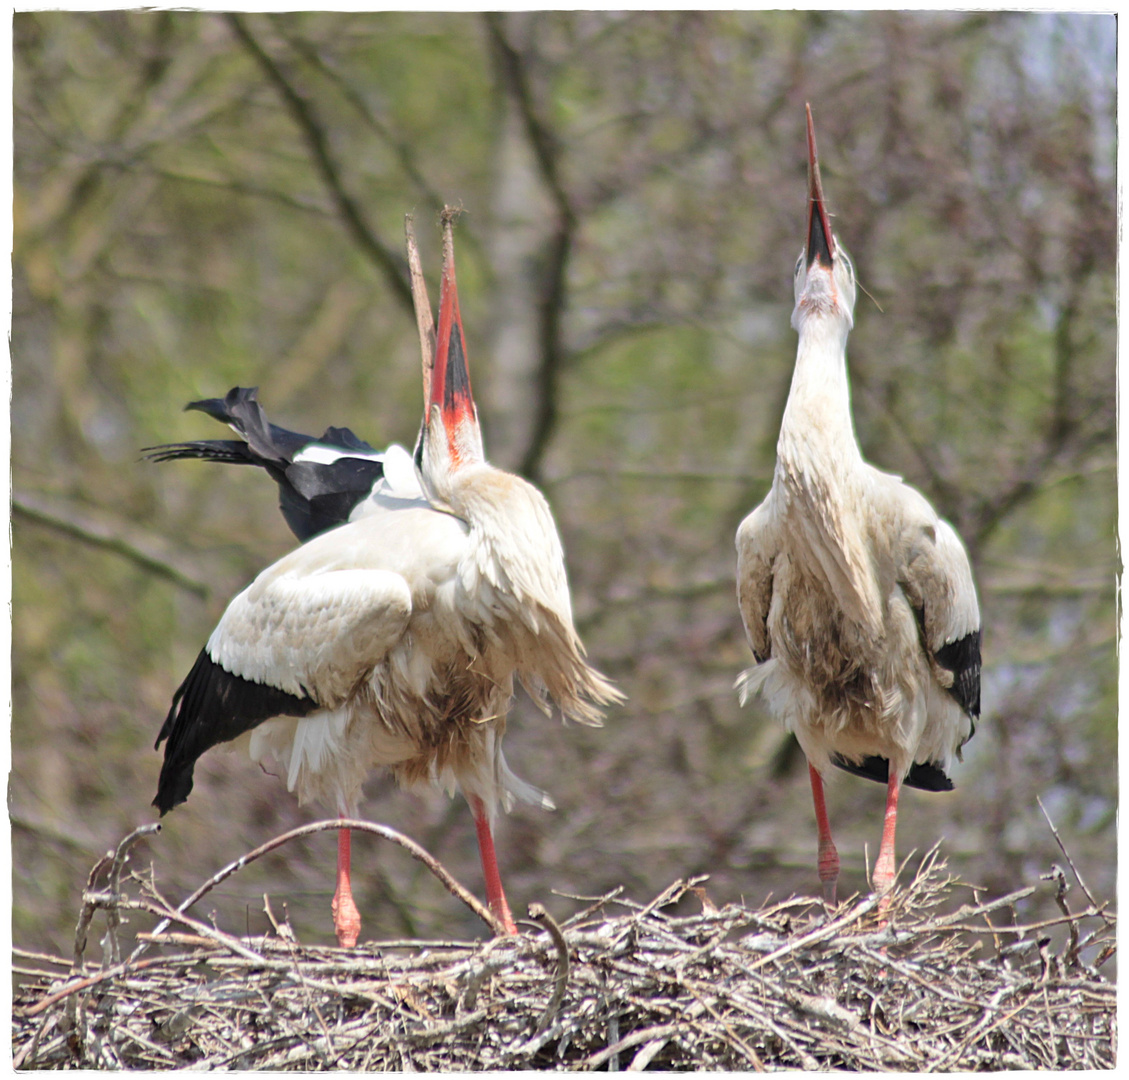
(520, 214)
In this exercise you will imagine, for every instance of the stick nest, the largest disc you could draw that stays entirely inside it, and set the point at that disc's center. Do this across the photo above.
(618, 985)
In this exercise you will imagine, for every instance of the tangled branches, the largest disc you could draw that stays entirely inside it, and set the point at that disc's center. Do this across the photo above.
(651, 986)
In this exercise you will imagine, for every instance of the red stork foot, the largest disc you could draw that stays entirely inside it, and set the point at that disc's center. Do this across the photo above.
(346, 920)
(501, 911)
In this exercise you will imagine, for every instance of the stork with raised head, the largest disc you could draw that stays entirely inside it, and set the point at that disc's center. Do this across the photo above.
(857, 599)
(394, 640)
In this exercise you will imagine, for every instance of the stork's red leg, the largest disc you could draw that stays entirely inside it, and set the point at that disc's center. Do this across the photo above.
(495, 897)
(828, 856)
(346, 917)
(884, 868)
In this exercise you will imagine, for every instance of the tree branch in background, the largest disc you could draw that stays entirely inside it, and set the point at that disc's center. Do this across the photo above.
(400, 147)
(136, 547)
(361, 229)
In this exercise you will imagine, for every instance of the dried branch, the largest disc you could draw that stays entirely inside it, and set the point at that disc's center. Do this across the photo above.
(453, 887)
(1066, 855)
(681, 991)
(425, 321)
(540, 916)
(91, 900)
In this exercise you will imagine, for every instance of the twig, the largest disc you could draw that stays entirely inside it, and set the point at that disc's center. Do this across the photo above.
(830, 930)
(643, 1035)
(47, 958)
(538, 913)
(162, 910)
(1066, 855)
(744, 1047)
(92, 980)
(283, 929)
(966, 911)
(29, 1048)
(595, 903)
(86, 912)
(1019, 929)
(417, 852)
(121, 857)
(1060, 898)
(672, 894)
(425, 321)
(91, 901)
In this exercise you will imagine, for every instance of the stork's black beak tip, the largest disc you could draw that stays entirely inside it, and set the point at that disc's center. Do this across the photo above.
(820, 242)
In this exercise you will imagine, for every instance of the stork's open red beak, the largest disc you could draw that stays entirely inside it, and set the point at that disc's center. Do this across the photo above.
(450, 379)
(821, 244)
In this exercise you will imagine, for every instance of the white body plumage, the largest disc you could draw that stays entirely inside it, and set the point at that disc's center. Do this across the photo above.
(857, 599)
(407, 626)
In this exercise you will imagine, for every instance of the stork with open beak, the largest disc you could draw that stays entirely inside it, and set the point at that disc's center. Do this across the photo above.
(857, 599)
(394, 640)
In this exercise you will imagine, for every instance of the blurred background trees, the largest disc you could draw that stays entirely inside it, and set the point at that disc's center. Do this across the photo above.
(204, 200)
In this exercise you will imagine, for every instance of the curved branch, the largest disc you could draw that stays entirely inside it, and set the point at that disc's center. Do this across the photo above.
(457, 890)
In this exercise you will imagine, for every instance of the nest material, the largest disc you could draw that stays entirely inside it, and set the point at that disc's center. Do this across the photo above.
(618, 985)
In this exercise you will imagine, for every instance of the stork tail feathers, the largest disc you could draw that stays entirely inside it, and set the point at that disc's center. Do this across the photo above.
(927, 776)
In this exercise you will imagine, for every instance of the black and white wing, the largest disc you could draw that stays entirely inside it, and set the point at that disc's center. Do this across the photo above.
(320, 481)
(937, 581)
(300, 638)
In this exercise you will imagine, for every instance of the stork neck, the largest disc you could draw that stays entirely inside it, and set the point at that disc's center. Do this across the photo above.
(818, 412)
(444, 452)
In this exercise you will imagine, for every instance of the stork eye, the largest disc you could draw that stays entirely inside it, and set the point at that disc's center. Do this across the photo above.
(799, 264)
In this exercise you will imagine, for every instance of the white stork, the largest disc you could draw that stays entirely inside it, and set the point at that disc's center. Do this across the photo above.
(857, 599)
(394, 639)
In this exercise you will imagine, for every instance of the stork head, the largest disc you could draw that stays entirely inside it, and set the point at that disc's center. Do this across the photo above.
(451, 440)
(825, 276)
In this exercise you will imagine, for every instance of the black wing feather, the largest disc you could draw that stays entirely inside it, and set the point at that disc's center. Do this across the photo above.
(313, 496)
(213, 706)
(962, 658)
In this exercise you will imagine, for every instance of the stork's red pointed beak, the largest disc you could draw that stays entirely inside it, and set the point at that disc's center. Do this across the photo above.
(821, 244)
(450, 378)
